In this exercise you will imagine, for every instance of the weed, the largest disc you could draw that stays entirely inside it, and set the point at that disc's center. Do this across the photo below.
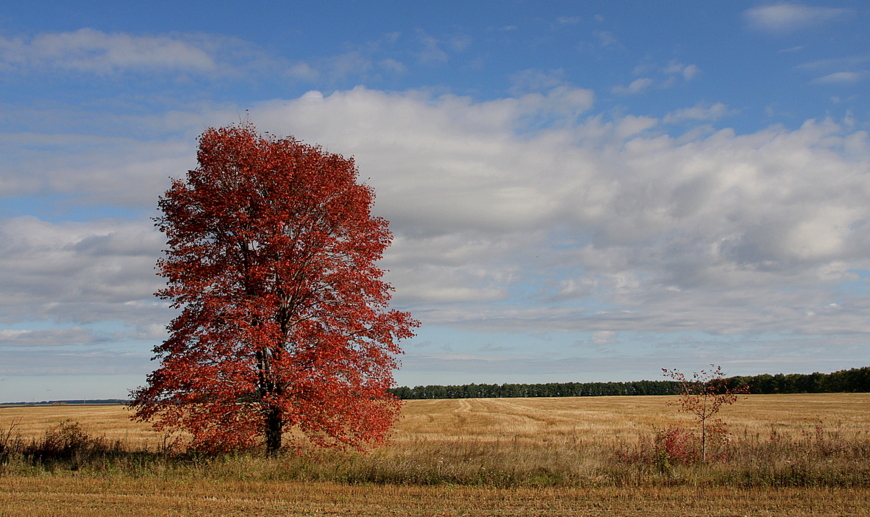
(70, 446)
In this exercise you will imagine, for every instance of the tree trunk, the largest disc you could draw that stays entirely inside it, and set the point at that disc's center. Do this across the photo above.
(274, 430)
(704, 440)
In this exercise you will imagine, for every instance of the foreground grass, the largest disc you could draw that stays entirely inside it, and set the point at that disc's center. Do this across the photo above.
(786, 455)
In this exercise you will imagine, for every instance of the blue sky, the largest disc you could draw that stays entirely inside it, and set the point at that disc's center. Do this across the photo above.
(579, 191)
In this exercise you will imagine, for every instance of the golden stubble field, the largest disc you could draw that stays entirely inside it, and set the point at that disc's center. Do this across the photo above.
(535, 419)
(460, 439)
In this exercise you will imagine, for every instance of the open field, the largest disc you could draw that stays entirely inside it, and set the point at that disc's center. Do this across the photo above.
(796, 455)
(534, 419)
(612, 419)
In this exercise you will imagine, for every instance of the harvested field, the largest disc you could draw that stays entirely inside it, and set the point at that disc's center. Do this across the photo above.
(796, 455)
(612, 419)
(533, 419)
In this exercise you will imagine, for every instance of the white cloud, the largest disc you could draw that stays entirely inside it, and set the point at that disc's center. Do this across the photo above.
(95, 51)
(603, 337)
(669, 76)
(567, 20)
(605, 38)
(79, 272)
(842, 63)
(431, 51)
(349, 64)
(481, 207)
(534, 80)
(364, 62)
(183, 55)
(675, 68)
(569, 222)
(787, 17)
(99, 170)
(57, 371)
(45, 337)
(303, 71)
(841, 78)
(637, 86)
(843, 71)
(675, 71)
(690, 72)
(460, 42)
(392, 65)
(698, 112)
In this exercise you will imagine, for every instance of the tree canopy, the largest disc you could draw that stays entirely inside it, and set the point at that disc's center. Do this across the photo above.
(284, 316)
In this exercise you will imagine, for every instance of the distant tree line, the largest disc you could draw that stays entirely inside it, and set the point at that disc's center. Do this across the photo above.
(854, 380)
(552, 389)
(79, 402)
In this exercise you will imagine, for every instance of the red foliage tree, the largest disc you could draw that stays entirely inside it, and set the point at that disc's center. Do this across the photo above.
(284, 316)
(703, 395)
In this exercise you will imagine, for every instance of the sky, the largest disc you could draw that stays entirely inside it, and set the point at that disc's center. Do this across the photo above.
(578, 191)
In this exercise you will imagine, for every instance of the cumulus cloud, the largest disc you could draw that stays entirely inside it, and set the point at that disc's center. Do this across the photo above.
(707, 234)
(518, 214)
(687, 72)
(788, 17)
(103, 170)
(677, 71)
(79, 272)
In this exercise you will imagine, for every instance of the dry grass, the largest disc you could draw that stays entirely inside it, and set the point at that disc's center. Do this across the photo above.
(795, 455)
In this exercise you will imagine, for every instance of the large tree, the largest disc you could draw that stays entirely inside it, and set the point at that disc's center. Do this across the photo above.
(284, 319)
